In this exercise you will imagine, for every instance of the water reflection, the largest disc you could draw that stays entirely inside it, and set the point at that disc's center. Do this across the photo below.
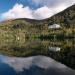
(31, 66)
(60, 50)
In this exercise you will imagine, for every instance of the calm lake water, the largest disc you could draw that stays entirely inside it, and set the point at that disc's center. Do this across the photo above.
(36, 65)
(34, 57)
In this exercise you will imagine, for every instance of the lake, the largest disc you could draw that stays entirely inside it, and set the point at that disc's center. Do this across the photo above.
(37, 57)
(34, 65)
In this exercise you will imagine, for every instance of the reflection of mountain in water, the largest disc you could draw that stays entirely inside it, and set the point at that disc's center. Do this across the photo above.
(36, 65)
(34, 47)
(50, 48)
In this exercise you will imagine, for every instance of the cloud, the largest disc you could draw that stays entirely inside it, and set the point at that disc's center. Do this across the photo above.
(47, 9)
(18, 11)
(53, 3)
(46, 12)
(43, 12)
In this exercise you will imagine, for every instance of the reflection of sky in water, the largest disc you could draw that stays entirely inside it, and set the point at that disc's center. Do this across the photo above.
(36, 65)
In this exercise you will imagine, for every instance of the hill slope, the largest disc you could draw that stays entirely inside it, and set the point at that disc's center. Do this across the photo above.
(65, 18)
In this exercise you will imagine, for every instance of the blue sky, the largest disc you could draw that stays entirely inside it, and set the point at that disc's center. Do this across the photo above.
(34, 9)
(5, 5)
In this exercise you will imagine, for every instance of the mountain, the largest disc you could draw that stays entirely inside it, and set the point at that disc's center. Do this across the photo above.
(66, 19)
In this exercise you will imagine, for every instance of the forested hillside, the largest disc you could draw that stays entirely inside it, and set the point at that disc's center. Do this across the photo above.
(66, 19)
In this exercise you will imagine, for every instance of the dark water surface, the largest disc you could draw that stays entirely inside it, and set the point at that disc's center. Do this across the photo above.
(33, 57)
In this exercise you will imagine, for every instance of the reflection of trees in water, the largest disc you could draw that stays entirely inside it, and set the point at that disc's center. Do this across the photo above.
(37, 47)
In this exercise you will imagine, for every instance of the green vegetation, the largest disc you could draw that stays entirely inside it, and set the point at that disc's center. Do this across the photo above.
(30, 27)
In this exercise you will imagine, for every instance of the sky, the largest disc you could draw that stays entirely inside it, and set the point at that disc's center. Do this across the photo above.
(33, 9)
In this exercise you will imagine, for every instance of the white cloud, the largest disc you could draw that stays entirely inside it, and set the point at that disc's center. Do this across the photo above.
(48, 8)
(18, 11)
(53, 3)
(43, 12)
